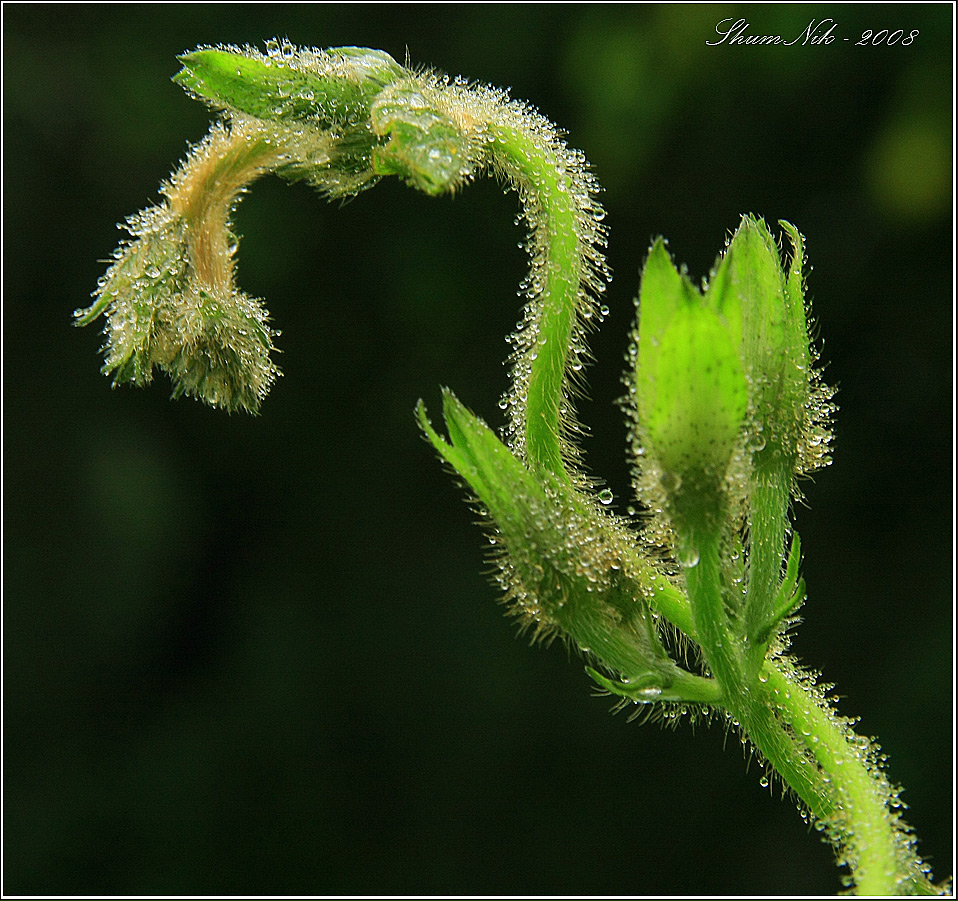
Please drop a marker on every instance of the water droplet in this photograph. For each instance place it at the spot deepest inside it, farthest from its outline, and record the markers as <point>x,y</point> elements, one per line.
<point>763,781</point>
<point>688,556</point>
<point>605,496</point>
<point>603,310</point>
<point>670,481</point>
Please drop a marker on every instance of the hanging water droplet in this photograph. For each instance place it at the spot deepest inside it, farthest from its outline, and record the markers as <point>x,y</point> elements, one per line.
<point>688,556</point>
<point>763,781</point>
<point>605,496</point>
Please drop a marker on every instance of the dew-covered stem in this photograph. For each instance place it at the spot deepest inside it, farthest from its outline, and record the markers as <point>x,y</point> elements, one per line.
<point>862,820</point>
<point>541,371</point>
<point>721,648</point>
<point>205,193</point>
<point>767,524</point>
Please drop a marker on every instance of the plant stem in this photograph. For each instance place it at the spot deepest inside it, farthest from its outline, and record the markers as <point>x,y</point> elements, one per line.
<point>741,697</point>
<point>722,649</point>
<point>530,163</point>
<point>877,849</point>
<point>205,192</point>
<point>768,500</point>
<point>834,772</point>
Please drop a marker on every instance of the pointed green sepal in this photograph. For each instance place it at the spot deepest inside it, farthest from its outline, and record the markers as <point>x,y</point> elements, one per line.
<point>642,689</point>
<point>567,568</point>
<point>653,686</point>
<point>790,595</point>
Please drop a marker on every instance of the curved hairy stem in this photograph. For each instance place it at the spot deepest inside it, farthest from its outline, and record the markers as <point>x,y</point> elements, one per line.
<point>568,273</point>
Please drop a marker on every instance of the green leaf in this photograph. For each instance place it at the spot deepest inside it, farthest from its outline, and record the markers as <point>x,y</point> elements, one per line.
<point>286,90</point>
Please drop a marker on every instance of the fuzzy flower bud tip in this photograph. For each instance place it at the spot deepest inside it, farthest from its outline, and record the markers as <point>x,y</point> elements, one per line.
<point>690,387</point>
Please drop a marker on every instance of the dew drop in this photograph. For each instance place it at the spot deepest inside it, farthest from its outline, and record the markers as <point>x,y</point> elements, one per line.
<point>670,481</point>
<point>605,496</point>
<point>763,781</point>
<point>688,556</point>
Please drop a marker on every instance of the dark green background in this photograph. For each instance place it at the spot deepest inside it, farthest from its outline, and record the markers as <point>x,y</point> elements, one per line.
<point>262,655</point>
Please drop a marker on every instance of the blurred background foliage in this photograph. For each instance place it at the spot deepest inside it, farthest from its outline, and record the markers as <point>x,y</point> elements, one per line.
<point>262,655</point>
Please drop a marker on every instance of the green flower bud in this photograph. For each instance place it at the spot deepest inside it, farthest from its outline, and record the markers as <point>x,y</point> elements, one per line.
<point>789,409</point>
<point>328,88</point>
<point>169,297</point>
<point>690,392</point>
<point>212,340</point>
